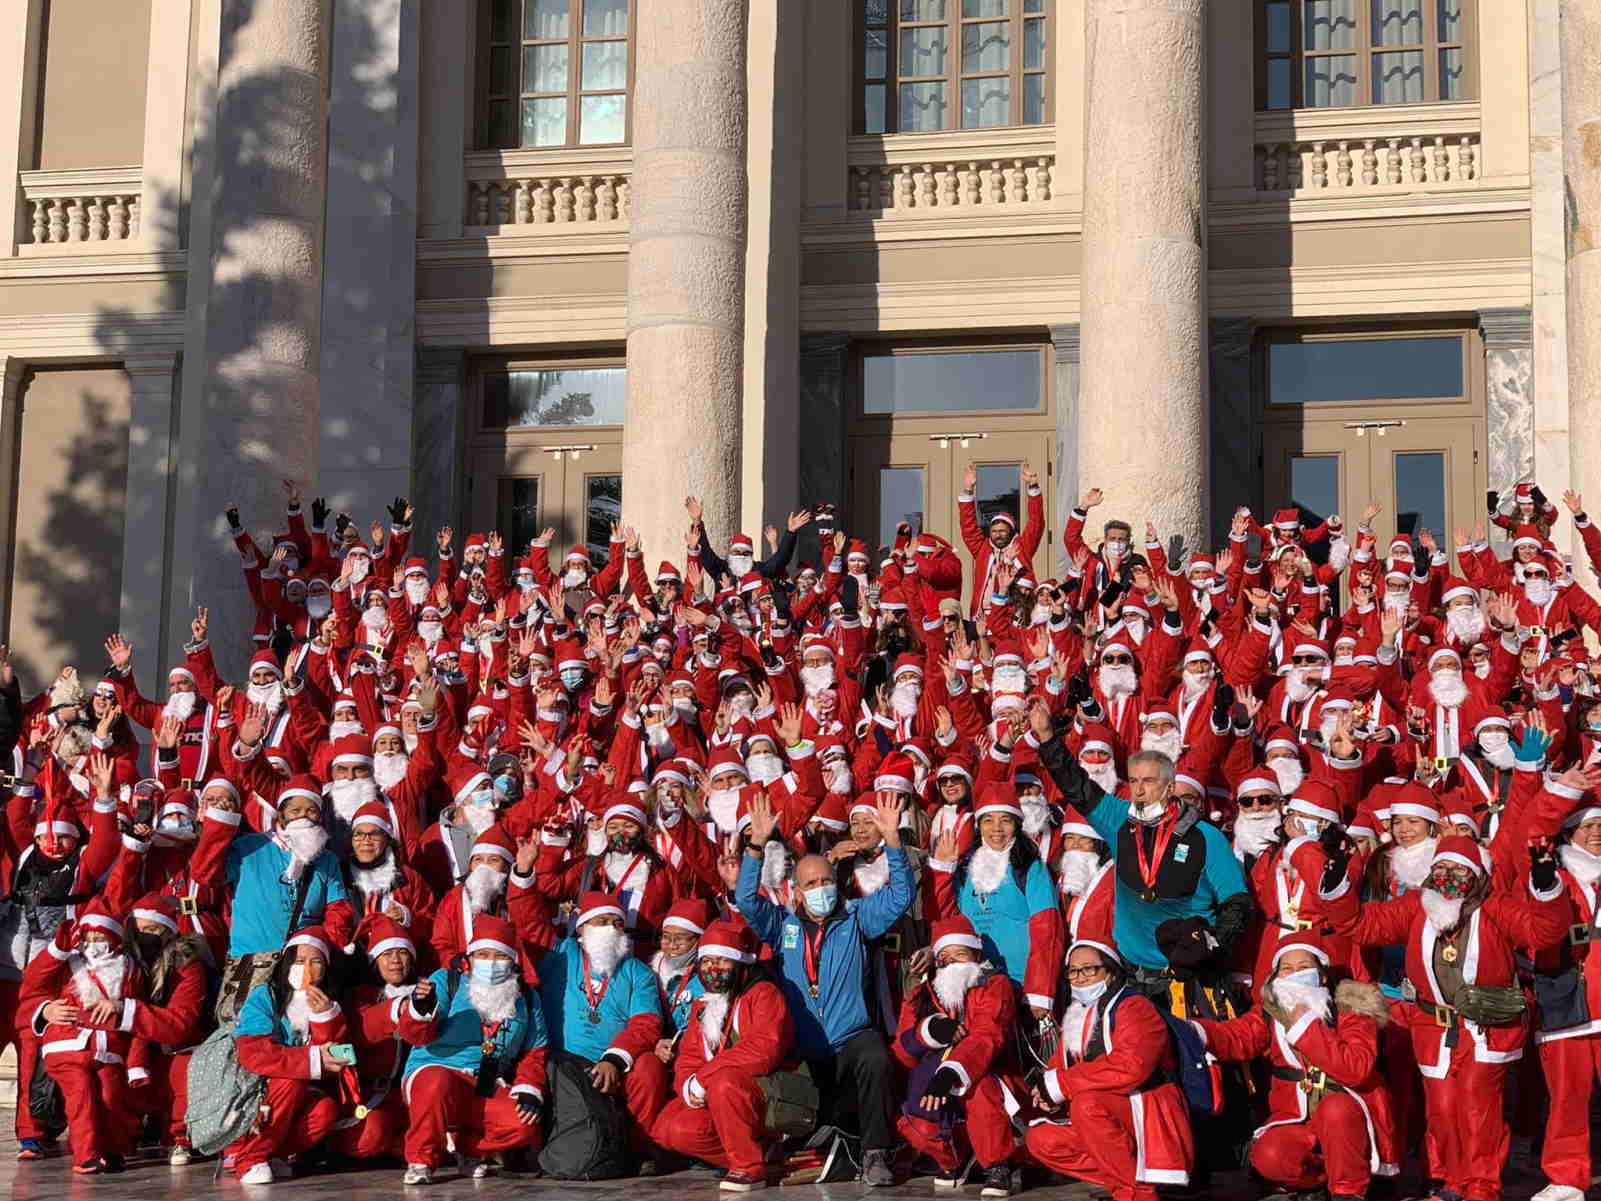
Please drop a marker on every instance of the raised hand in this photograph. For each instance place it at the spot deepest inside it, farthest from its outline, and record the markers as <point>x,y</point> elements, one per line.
<point>254,727</point>
<point>763,821</point>
<point>1090,499</point>
<point>1369,511</point>
<point>946,848</point>
<point>1030,477</point>
<point>101,771</point>
<point>887,816</point>
<point>168,731</point>
<point>199,626</point>
<point>442,539</point>
<point>788,725</point>
<point>799,521</point>
<point>694,508</point>
<point>1574,501</point>
<point>119,651</point>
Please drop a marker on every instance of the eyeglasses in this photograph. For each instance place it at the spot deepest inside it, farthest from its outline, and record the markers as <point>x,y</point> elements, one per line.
<point>1117,660</point>
<point>1260,800</point>
<point>1089,972</point>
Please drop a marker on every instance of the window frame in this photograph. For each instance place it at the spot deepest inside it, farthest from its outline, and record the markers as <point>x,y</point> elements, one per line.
<point>932,421</point>
<point>953,77</point>
<point>482,436</point>
<point>1470,404</point>
<point>1363,50</point>
<point>486,99</point>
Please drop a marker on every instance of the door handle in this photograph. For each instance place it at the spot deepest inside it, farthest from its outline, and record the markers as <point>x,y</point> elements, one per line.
<point>1362,427</point>
<point>945,440</point>
<point>572,451</point>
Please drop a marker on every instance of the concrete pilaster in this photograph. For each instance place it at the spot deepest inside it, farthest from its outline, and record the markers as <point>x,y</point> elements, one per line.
<point>21,41</point>
<point>686,271</point>
<point>1067,342</point>
<point>1236,438</point>
<point>12,372</point>
<point>1581,162</point>
<point>147,511</point>
<point>439,451</point>
<point>161,199</point>
<point>1143,430</point>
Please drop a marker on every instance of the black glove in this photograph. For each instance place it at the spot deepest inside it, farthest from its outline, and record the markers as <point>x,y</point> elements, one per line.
<point>341,523</point>
<point>527,1104</point>
<point>232,514</point>
<point>1492,501</point>
<point>1540,501</point>
<point>1078,688</point>
<point>1109,595</point>
<point>319,512</point>
<point>942,1029</point>
<point>1542,866</point>
<point>1222,705</point>
<point>424,1005</point>
<point>941,1083</point>
<point>397,510</point>
<point>1187,942</point>
<point>1338,850</point>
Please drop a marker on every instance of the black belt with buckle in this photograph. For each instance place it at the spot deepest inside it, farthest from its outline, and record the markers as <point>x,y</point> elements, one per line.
<point>1313,1080</point>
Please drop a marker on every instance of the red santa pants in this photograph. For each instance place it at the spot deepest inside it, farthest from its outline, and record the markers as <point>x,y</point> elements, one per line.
<point>382,1132</point>
<point>1400,1067</point>
<point>298,1115</point>
<point>444,1101</point>
<point>92,1093</point>
<point>986,1129</point>
<point>1096,1146</point>
<point>1570,1067</point>
<point>645,1091</point>
<point>162,1093</point>
<point>726,1131</point>
<point>1332,1145</point>
<point>1466,1123</point>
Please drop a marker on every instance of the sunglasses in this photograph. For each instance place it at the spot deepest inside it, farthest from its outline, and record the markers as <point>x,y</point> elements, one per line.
<point>1307,660</point>
<point>1117,660</point>
<point>1261,800</point>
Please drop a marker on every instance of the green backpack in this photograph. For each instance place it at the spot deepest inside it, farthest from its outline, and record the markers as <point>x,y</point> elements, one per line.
<point>224,1098</point>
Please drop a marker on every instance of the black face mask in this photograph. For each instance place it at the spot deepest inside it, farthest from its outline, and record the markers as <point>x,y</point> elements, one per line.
<point>149,945</point>
<point>719,980</point>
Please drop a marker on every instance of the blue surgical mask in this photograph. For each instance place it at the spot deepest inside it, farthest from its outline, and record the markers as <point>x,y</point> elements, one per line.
<point>820,901</point>
<point>491,971</point>
<point>572,678</point>
<point>483,796</point>
<point>1307,977</point>
<point>1090,993</point>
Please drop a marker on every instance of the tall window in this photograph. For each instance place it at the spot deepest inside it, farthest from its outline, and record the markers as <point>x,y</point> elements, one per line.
<point>1341,53</point>
<point>928,65</point>
<point>558,73</point>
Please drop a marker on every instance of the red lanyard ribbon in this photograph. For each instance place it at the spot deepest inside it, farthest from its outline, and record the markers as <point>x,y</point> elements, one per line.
<point>1149,867</point>
<point>813,954</point>
<point>594,998</point>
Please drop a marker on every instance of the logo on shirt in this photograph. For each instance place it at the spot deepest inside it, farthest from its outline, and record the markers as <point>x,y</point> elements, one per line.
<point>1181,853</point>
<point>791,937</point>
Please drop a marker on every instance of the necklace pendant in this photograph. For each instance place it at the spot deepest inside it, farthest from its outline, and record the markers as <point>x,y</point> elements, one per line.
<point>1148,896</point>
<point>487,1046</point>
<point>1448,954</point>
<point>594,1017</point>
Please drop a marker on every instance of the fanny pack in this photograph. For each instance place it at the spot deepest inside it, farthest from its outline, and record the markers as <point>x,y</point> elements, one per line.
<point>1491,1004</point>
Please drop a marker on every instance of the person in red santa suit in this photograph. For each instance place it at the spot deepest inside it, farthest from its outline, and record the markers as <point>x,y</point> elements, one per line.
<point>1000,542</point>
<point>378,883</point>
<point>1126,1127</point>
<point>75,998</point>
<point>953,1035</point>
<point>1285,878</point>
<point>1445,706</point>
<point>738,1030</point>
<point>1086,881</point>
<point>1458,932</point>
<point>1329,1122</point>
<point>195,755</point>
<point>500,883</point>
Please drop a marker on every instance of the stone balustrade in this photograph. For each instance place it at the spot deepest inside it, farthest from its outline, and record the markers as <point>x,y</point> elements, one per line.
<point>510,190</point>
<point>901,174</point>
<point>1320,152</point>
<point>70,208</point>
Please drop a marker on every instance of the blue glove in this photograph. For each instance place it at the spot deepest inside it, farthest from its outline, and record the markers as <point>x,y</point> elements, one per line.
<point>1532,747</point>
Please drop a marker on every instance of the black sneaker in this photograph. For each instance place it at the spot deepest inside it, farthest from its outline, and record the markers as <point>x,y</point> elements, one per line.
<point>997,1181</point>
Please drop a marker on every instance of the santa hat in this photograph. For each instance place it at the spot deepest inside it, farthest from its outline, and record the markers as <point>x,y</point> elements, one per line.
<point>688,913</point>
<point>1302,940</point>
<point>1315,799</point>
<point>1287,519</point>
<point>95,916</point>
<point>957,763</point>
<point>1098,737</point>
<point>740,544</point>
<point>997,797</point>
<point>954,932</point>
<point>831,813</point>
<point>56,822</point>
<point>265,658</point>
<point>1004,518</point>
<point>627,811</point>
<point>1526,535</point>
<point>491,933</point>
<point>1281,737</point>
<point>668,574</point>
<point>570,655</point>
<point>596,904</point>
<point>751,581</point>
<point>857,550</point>
<point>158,907</point>
<point>1443,652</point>
<point>728,939</point>
<point>494,841</point>
<point>1581,815</point>
<point>1455,588</point>
<point>351,750</point>
<point>1198,652</point>
<point>465,780</point>
<point>909,664</point>
<point>896,773</point>
<point>416,566</point>
<point>671,771</point>
<point>304,786</point>
<point>579,552</point>
<point>1074,822</point>
<point>1460,849</point>
<point>725,759</point>
<point>1524,493</point>
<point>314,937</point>
<point>1107,951</point>
<point>373,813</point>
<point>1310,646</point>
<point>1258,780</point>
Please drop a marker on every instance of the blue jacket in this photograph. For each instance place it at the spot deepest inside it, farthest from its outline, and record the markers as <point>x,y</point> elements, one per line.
<point>263,901</point>
<point>459,1033</point>
<point>633,991</point>
<point>826,1022</point>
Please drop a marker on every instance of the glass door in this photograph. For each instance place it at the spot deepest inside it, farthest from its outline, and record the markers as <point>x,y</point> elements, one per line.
<point>1427,475</point>
<point>1320,469</point>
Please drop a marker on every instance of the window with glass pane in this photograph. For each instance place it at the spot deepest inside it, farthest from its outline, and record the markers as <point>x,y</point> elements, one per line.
<point>555,396</point>
<point>518,510</point>
<point>927,65</point>
<point>1357,369</point>
<point>999,490</point>
<point>558,73</point>
<point>1419,493</point>
<point>900,498</point>
<point>603,508</point>
<point>1344,53</point>
<point>950,382</point>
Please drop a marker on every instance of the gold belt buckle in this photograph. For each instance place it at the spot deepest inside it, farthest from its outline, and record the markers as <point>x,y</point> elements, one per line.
<point>188,906</point>
<point>1579,934</point>
<point>892,942</point>
<point>187,785</point>
<point>1536,631</point>
<point>1314,1080</point>
<point>1442,1016</point>
<point>1304,924</point>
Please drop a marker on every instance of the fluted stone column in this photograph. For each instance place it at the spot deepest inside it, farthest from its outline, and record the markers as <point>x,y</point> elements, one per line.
<point>269,140</point>
<point>1581,162</point>
<point>686,271</point>
<point>1142,421</point>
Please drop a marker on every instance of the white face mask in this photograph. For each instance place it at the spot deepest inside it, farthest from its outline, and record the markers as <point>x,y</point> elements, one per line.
<point>1537,590</point>
<point>1116,546</point>
<point>1308,977</point>
<point>360,565</point>
<point>574,577</point>
<point>1149,813</point>
<point>1009,679</point>
<point>97,952</point>
<point>1090,993</point>
<point>297,977</point>
<point>318,605</point>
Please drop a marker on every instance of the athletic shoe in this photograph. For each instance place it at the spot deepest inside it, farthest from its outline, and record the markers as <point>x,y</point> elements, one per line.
<point>739,1182</point>
<point>260,1173</point>
<point>417,1173</point>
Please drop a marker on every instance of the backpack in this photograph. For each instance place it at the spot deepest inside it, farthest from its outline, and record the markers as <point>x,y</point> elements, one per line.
<point>588,1138</point>
<point>224,1098</point>
<point>1199,1077</point>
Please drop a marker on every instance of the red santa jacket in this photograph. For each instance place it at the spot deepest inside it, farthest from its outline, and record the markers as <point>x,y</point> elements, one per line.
<point>62,974</point>
<point>385,1026</point>
<point>1284,880</point>
<point>755,1040</point>
<point>1089,916</point>
<point>1567,954</point>
<point>987,1015</point>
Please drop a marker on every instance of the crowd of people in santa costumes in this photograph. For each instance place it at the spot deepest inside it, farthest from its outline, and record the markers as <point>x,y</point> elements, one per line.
<point>904,861</point>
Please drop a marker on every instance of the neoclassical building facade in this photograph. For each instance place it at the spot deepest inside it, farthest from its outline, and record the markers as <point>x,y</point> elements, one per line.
<point>562,262</point>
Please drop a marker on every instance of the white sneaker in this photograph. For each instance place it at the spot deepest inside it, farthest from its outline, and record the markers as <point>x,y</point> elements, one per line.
<point>280,1169</point>
<point>417,1173</point>
<point>475,1169</point>
<point>179,1156</point>
<point>260,1174</point>
<point>1559,1192</point>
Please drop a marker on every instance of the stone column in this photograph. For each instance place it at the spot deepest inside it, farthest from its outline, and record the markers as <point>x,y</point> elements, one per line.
<point>12,372</point>
<point>167,92</point>
<point>21,42</point>
<point>1509,384</point>
<point>824,450</point>
<point>1142,433</point>
<point>1236,444</point>
<point>147,514</point>
<point>1581,161</point>
<point>264,289</point>
<point>439,450</point>
<point>1547,238</point>
<point>686,272</point>
<point>1067,342</point>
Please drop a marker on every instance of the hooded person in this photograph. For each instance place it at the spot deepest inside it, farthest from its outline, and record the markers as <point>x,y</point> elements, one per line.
<point>477,1071</point>
<point>954,1038</point>
<point>1329,1120</point>
<point>1461,983</point>
<point>738,1030</point>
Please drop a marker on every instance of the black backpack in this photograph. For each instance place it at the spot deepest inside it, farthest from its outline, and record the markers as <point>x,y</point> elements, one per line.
<point>588,1136</point>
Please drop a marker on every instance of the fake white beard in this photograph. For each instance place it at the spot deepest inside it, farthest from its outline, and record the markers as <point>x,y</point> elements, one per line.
<point>775,864</point>
<point>1078,869</point>
<point>723,806</point>
<point>1009,679</point>
<point>270,695</point>
<point>391,991</point>
<point>1117,680</point>
<point>1289,772</point>
<point>1292,996</point>
<point>494,1002</point>
<point>742,705</point>
<point>1443,914</point>
<point>952,981</point>
<point>816,679</point>
<point>478,818</point>
<point>1196,683</point>
<point>1073,1026</point>
<point>839,780</point>
<point>1302,682</point>
<point>872,874</point>
<point>1254,832</point>
<point>430,631</point>
<point>1448,688</point>
<point>375,617</point>
<point>350,795</point>
<point>389,768</point>
<point>903,700</point>
<point>1327,724</point>
<point>1481,668</point>
<point>1580,864</point>
<point>1466,622</point>
<point>618,862</point>
<point>338,729</point>
<point>298,1013</point>
<point>74,742</point>
<point>1104,774</point>
<point>606,946</point>
<point>319,605</point>
<point>416,589</point>
<point>988,868</point>
<point>1538,591</point>
<point>1498,755</point>
<point>713,1014</point>
<point>1410,865</point>
<point>360,566</point>
<point>377,880</point>
<point>668,967</point>
<point>1397,602</point>
<point>483,888</point>
<point>574,577</point>
<point>1135,628</point>
<point>180,705</point>
<point>109,972</point>
<point>740,565</point>
<point>304,844</point>
<point>1170,744</point>
<point>595,842</point>
<point>1036,815</point>
<point>764,767</point>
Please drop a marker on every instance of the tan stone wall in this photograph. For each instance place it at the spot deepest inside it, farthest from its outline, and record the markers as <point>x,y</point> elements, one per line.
<point>92,92</point>
<point>69,520</point>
